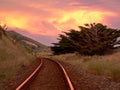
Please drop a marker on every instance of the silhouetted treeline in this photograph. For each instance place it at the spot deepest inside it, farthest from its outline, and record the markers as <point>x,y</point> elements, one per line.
<point>91,39</point>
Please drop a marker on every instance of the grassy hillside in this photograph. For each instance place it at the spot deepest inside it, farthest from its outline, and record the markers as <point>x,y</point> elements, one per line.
<point>12,58</point>
<point>106,65</point>
<point>28,43</point>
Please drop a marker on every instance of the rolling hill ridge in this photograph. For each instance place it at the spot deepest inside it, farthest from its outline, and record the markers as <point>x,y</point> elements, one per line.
<point>30,44</point>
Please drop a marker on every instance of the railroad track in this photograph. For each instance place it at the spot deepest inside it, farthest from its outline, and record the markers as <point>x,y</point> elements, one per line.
<point>49,75</point>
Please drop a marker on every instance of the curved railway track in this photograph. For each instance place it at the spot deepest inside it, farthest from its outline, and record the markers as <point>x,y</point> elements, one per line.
<point>49,75</point>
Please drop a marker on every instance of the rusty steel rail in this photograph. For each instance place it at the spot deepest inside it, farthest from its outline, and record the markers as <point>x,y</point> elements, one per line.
<point>25,82</point>
<point>68,81</point>
<point>67,77</point>
<point>71,87</point>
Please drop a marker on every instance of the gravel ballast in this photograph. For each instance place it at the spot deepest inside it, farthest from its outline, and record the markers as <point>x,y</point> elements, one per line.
<point>84,80</point>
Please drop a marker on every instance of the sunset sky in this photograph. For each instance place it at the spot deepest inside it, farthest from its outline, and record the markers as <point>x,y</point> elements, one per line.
<point>43,20</point>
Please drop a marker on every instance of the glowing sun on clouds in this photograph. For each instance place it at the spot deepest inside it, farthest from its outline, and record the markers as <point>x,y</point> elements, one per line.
<point>50,17</point>
<point>68,20</point>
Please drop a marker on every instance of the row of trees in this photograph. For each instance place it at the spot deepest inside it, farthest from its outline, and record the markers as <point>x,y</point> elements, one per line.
<point>91,39</point>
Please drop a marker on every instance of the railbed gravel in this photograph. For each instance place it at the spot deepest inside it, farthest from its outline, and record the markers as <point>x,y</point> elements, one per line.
<point>84,80</point>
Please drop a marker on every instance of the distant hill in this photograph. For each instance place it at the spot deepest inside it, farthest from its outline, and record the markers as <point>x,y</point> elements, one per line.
<point>28,43</point>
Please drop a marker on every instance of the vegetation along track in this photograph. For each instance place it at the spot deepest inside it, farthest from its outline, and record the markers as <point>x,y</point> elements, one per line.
<point>52,76</point>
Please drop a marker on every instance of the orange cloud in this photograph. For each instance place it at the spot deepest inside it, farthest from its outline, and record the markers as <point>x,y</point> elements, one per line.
<point>62,21</point>
<point>51,17</point>
<point>14,20</point>
<point>55,20</point>
<point>73,19</point>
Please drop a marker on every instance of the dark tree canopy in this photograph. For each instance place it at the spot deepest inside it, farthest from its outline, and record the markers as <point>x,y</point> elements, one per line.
<point>91,39</point>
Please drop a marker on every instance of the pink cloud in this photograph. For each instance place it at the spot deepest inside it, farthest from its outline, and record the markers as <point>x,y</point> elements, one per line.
<point>48,18</point>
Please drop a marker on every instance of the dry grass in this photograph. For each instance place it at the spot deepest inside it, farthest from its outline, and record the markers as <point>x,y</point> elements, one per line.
<point>108,65</point>
<point>12,58</point>
<point>43,54</point>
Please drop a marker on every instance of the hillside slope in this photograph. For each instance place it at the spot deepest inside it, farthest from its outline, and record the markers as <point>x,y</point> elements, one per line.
<point>28,43</point>
<point>13,57</point>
